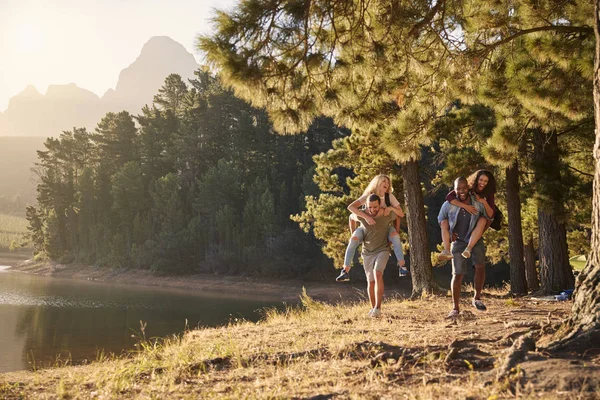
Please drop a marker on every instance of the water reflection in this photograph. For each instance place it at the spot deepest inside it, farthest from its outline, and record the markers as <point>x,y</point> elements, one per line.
<point>44,318</point>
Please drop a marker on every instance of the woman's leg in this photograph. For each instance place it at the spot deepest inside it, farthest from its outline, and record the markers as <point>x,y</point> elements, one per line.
<point>356,239</point>
<point>445,255</point>
<point>394,238</point>
<point>445,226</point>
<point>482,225</point>
<point>352,223</point>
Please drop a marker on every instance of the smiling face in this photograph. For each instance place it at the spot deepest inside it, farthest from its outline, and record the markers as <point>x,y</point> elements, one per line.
<point>482,182</point>
<point>462,190</point>
<point>384,186</point>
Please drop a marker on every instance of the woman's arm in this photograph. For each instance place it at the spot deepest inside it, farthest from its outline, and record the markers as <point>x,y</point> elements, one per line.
<point>452,199</point>
<point>468,207</point>
<point>489,211</point>
<point>394,206</point>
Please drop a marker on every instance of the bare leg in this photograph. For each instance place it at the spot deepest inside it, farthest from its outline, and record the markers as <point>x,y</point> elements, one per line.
<point>371,291</point>
<point>482,225</point>
<point>378,289</point>
<point>456,285</point>
<point>479,280</point>
<point>445,226</point>
<point>352,224</point>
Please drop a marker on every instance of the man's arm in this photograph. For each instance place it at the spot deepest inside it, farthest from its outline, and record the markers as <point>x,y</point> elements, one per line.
<point>443,214</point>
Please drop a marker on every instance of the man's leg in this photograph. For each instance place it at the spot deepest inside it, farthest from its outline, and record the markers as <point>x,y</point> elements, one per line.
<point>371,290</point>
<point>460,266</point>
<point>456,286</point>
<point>378,289</point>
<point>381,260</point>
<point>369,266</point>
<point>479,281</point>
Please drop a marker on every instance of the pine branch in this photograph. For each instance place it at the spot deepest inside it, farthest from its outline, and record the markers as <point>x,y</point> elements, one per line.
<point>556,28</point>
<point>414,32</point>
<point>574,127</point>
<point>581,172</point>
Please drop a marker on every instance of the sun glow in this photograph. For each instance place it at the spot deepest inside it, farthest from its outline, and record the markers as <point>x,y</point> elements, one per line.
<point>29,38</point>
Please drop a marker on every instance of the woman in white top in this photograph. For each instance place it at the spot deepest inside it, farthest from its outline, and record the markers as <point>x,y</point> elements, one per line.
<point>381,185</point>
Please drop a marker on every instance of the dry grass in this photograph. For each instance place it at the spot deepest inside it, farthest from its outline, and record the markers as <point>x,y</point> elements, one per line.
<point>331,351</point>
<point>12,230</point>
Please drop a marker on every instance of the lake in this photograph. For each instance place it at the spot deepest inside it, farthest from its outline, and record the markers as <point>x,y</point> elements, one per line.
<point>45,321</point>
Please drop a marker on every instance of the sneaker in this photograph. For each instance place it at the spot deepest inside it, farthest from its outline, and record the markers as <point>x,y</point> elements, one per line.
<point>445,255</point>
<point>466,253</point>
<point>403,272</point>
<point>452,314</point>
<point>375,313</point>
<point>478,304</point>
<point>344,277</point>
<point>370,313</point>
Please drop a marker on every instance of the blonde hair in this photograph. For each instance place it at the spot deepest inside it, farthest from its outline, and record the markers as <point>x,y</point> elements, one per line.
<point>374,184</point>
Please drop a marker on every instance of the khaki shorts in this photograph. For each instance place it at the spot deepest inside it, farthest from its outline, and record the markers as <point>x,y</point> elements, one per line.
<point>375,262</point>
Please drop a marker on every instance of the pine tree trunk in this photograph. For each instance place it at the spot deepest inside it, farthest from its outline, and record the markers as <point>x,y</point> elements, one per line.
<point>555,271</point>
<point>533,281</point>
<point>553,254</point>
<point>584,326</point>
<point>420,258</point>
<point>518,284</point>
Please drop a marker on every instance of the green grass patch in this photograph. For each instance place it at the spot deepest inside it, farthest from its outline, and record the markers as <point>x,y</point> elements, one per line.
<point>577,262</point>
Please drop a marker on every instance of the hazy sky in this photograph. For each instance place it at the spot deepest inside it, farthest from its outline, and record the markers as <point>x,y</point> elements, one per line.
<point>88,42</point>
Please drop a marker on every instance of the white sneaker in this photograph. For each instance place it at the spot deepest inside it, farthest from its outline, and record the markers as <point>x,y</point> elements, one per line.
<point>369,314</point>
<point>375,313</point>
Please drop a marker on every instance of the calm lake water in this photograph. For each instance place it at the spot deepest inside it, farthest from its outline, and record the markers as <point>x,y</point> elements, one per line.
<point>42,318</point>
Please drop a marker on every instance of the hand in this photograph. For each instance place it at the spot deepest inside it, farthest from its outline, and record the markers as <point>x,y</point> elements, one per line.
<point>399,213</point>
<point>470,209</point>
<point>480,199</point>
<point>454,236</point>
<point>369,220</point>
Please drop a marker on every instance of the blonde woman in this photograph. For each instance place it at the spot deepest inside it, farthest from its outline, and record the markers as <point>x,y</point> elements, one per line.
<point>381,185</point>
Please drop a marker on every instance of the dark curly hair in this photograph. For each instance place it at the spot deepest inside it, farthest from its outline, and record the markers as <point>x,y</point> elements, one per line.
<point>474,178</point>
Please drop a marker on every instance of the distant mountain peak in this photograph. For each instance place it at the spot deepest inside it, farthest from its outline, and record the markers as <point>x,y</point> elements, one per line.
<point>29,91</point>
<point>64,106</point>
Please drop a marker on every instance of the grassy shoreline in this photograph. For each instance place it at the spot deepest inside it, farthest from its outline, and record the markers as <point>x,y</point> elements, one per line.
<point>336,351</point>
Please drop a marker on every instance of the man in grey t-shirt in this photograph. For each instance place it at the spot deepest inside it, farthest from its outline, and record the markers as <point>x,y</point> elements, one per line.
<point>375,251</point>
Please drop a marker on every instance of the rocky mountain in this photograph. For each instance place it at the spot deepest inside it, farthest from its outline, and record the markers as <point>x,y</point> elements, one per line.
<point>63,107</point>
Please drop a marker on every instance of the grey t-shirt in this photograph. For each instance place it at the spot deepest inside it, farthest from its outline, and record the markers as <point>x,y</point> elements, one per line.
<point>376,236</point>
<point>463,219</point>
